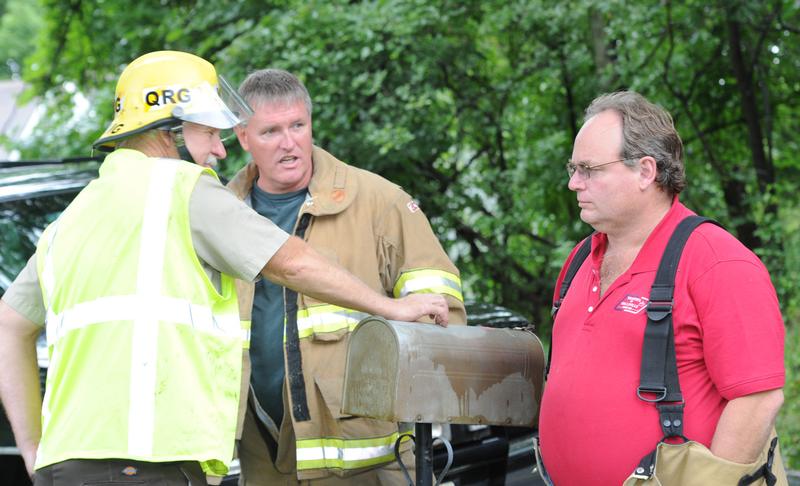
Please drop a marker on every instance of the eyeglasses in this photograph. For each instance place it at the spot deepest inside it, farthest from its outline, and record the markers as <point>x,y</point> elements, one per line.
<point>585,170</point>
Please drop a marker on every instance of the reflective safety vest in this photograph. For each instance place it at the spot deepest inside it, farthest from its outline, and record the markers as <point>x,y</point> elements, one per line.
<point>145,354</point>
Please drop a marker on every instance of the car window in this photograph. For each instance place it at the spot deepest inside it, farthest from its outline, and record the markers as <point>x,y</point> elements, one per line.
<point>21,224</point>
<point>30,199</point>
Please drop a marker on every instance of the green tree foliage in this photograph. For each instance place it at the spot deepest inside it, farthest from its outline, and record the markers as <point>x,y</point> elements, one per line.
<point>20,20</point>
<point>472,106</point>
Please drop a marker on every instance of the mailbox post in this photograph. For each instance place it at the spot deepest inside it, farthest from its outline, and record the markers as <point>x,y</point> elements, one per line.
<point>424,453</point>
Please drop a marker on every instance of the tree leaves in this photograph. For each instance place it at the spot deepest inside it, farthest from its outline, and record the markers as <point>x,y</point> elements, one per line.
<point>472,106</point>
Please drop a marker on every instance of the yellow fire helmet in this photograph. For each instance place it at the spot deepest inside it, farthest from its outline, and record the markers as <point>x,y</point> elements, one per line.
<point>164,88</point>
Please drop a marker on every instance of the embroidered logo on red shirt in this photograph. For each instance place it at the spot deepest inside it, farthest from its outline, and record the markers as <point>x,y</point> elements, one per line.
<point>632,304</point>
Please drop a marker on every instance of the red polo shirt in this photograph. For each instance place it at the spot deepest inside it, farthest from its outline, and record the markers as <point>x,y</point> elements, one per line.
<point>728,338</point>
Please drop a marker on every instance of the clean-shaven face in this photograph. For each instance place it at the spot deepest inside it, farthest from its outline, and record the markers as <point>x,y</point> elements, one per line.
<point>608,198</point>
<point>278,137</point>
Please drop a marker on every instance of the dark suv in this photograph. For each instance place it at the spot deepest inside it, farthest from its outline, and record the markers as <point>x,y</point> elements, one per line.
<point>33,194</point>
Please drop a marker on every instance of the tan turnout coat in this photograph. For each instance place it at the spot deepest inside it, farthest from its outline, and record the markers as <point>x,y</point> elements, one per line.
<point>375,230</point>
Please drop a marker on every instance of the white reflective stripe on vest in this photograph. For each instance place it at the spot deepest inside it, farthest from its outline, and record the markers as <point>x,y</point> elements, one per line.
<point>326,318</point>
<point>144,342</point>
<point>136,308</point>
<point>344,453</point>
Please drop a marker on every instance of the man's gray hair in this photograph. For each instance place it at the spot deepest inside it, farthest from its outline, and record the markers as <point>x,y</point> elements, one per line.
<point>138,140</point>
<point>274,85</point>
<point>647,129</point>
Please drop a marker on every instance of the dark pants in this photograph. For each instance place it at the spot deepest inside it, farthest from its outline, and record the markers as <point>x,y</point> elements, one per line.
<point>107,472</point>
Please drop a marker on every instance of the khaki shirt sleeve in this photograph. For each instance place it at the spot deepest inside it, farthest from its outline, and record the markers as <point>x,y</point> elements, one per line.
<point>25,295</point>
<point>227,234</point>
<point>408,243</point>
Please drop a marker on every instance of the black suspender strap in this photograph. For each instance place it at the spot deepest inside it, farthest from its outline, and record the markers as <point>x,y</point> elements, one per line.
<point>294,362</point>
<point>573,268</point>
<point>658,380</point>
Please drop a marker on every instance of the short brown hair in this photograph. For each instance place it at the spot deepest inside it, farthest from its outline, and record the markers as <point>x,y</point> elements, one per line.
<point>274,85</point>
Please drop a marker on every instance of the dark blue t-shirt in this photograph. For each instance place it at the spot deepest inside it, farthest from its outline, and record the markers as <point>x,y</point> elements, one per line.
<point>266,337</point>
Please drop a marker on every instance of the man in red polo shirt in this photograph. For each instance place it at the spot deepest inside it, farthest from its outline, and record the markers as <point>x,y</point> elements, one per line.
<point>627,171</point>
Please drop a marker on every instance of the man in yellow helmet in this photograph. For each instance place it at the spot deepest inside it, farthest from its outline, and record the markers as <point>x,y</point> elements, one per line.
<point>135,284</point>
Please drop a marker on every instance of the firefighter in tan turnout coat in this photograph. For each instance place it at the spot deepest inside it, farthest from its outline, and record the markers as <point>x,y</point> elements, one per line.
<point>294,429</point>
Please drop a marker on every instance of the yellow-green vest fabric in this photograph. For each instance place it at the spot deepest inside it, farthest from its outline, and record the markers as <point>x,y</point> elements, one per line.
<point>145,354</point>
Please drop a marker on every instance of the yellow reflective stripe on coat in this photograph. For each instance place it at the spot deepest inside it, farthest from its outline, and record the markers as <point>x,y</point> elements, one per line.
<point>326,318</point>
<point>428,281</point>
<point>345,453</point>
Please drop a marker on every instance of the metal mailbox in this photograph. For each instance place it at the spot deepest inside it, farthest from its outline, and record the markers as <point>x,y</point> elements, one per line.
<point>411,372</point>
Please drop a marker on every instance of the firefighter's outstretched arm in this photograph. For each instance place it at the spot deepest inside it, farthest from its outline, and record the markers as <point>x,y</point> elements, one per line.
<point>298,266</point>
<point>19,380</point>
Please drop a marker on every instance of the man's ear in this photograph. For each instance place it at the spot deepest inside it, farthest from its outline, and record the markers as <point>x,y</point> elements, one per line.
<point>648,170</point>
<point>166,139</point>
<point>241,134</point>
